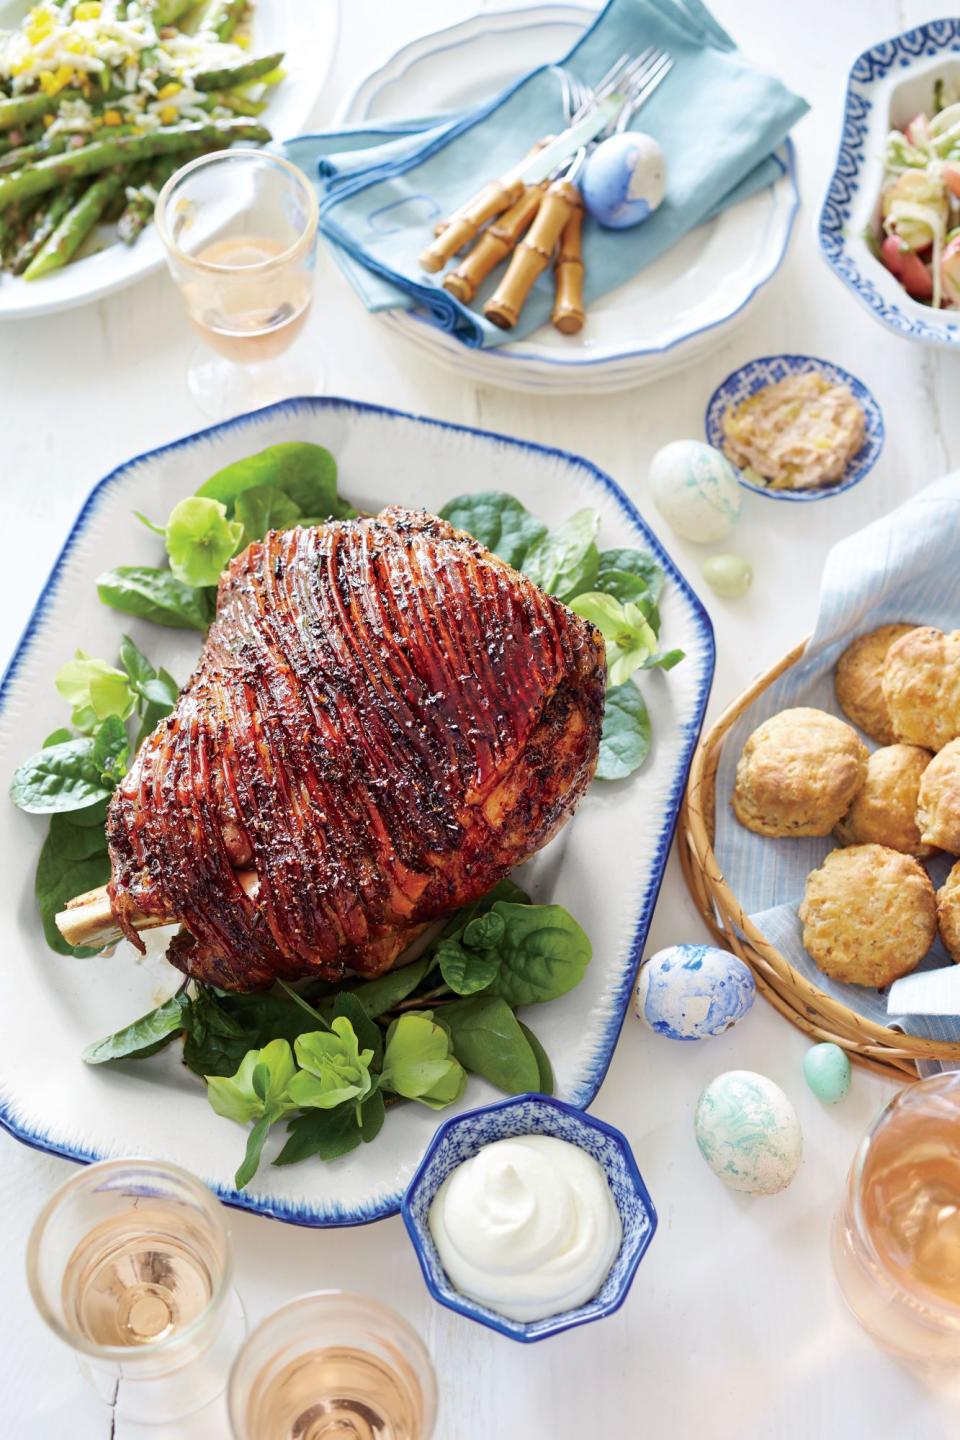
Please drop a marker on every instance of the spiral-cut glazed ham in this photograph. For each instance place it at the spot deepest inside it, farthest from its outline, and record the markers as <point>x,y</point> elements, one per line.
<point>384,721</point>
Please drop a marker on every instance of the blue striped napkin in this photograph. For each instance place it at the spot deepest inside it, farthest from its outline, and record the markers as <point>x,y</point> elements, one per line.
<point>902,567</point>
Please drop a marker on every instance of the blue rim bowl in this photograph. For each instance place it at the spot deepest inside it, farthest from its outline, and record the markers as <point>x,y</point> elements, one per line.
<point>460,1137</point>
<point>767,371</point>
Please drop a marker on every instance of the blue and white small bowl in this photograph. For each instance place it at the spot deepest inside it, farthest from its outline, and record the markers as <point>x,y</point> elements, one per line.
<point>461,1137</point>
<point>767,371</point>
<point>887,86</point>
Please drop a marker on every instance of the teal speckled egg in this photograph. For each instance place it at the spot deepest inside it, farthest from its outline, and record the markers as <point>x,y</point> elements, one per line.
<point>826,1069</point>
<point>748,1132</point>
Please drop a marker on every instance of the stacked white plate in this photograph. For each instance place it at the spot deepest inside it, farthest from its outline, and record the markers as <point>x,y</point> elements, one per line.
<point>687,301</point>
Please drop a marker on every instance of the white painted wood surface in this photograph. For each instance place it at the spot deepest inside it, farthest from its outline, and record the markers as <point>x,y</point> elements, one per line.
<point>733,1330</point>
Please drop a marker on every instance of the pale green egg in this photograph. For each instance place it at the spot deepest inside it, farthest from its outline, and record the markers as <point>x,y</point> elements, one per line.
<point>728,575</point>
<point>826,1069</point>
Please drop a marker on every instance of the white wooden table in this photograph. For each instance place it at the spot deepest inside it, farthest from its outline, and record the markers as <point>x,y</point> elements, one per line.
<point>733,1330</point>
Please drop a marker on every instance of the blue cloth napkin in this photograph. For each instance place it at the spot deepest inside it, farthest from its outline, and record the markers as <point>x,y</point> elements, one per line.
<point>717,118</point>
<point>902,567</point>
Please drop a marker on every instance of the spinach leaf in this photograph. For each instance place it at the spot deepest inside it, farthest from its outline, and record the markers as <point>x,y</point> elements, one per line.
<point>111,750</point>
<point>372,1115</point>
<point>381,995</point>
<point>263,508</point>
<point>565,562</point>
<point>629,562</point>
<point>142,1037</point>
<point>367,1031</point>
<point>460,919</point>
<point>625,738</point>
<point>466,971</point>
<point>306,473</point>
<point>498,521</point>
<point>546,1085</point>
<point>544,953</point>
<point>487,1040</point>
<point>73,860</point>
<point>221,1029</point>
<point>155,595</point>
<point>326,1134</point>
<point>66,776</point>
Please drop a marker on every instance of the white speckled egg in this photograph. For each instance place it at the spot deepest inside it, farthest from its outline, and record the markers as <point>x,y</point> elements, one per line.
<point>624,180</point>
<point>696,490</point>
<point>826,1069</point>
<point>691,992</point>
<point>748,1132</point>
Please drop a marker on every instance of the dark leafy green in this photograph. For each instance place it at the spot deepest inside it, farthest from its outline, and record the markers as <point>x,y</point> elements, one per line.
<point>386,992</point>
<point>220,1029</point>
<point>488,1041</point>
<point>543,953</point>
<point>498,521</point>
<point>73,859</point>
<point>546,1085</point>
<point>152,1032</point>
<point>566,560</point>
<point>111,750</point>
<point>625,739</point>
<point>326,1134</point>
<point>263,508</point>
<point>155,595</point>
<point>617,563</point>
<point>65,776</point>
<point>466,971</point>
<point>306,473</point>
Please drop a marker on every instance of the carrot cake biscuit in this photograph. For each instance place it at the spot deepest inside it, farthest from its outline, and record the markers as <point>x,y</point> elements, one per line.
<point>921,685</point>
<point>938,800</point>
<point>798,774</point>
<point>858,681</point>
<point>884,812</point>
<point>869,915</point>
<point>948,912</point>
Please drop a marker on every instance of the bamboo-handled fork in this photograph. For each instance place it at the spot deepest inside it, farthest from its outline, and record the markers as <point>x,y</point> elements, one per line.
<point>559,218</point>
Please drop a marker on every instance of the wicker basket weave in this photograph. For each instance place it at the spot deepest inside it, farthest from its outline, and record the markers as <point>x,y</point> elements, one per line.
<point>811,1009</point>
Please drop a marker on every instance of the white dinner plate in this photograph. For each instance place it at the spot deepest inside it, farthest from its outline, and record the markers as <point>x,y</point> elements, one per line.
<point>306,30</point>
<point>606,866</point>
<point>684,303</point>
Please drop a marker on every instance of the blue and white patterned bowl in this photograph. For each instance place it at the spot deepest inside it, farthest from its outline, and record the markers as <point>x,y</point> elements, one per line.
<point>887,86</point>
<point>767,371</point>
<point>462,1136</point>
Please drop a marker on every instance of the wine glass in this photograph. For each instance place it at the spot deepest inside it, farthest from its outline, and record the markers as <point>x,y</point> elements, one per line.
<point>240,230</point>
<point>896,1239</point>
<point>130,1264</point>
<point>332,1366</point>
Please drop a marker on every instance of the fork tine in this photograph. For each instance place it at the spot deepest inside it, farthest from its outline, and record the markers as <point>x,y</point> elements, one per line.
<point>649,84</point>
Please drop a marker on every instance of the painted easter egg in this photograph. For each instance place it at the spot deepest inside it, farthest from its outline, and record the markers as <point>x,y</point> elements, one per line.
<point>748,1132</point>
<point>826,1069</point>
<point>690,992</point>
<point>696,490</point>
<point>625,180</point>
<point>728,575</point>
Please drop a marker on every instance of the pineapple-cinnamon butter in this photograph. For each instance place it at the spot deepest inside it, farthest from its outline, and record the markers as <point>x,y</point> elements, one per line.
<point>797,434</point>
<point>528,1226</point>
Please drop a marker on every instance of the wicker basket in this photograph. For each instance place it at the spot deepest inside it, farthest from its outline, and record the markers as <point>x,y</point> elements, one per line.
<point>816,1013</point>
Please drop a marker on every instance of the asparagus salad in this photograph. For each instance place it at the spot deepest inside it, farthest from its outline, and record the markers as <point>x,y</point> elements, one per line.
<point>102,100</point>
<point>920,206</point>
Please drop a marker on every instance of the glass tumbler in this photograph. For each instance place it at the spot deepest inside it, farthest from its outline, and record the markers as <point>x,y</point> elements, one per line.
<point>896,1239</point>
<point>239,228</point>
<point>332,1366</point>
<point>130,1264</point>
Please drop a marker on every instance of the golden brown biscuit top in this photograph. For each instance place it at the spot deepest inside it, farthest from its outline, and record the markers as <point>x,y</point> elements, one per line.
<point>921,686</point>
<point>938,801</point>
<point>798,773</point>
<point>884,810</point>
<point>858,680</point>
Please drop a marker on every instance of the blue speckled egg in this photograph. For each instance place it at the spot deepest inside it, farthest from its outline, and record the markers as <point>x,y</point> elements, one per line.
<point>826,1069</point>
<point>748,1132</point>
<point>690,992</point>
<point>624,180</point>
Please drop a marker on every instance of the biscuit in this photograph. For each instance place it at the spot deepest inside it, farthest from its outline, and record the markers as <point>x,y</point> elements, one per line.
<point>921,686</point>
<point>798,774</point>
<point>948,912</point>
<point>857,680</point>
<point>885,810</point>
<point>938,800</point>
<point>869,915</point>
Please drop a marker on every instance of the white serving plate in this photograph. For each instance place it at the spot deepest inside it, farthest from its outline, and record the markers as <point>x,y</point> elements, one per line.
<point>307,33</point>
<point>686,302</point>
<point>606,866</point>
<point>887,86</point>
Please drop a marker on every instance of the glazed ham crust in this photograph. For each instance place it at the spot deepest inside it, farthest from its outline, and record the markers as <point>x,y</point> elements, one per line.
<point>384,721</point>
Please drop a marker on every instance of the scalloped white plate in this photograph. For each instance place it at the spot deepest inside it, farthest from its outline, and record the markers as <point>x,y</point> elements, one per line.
<point>686,302</point>
<point>306,30</point>
<point>606,866</point>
